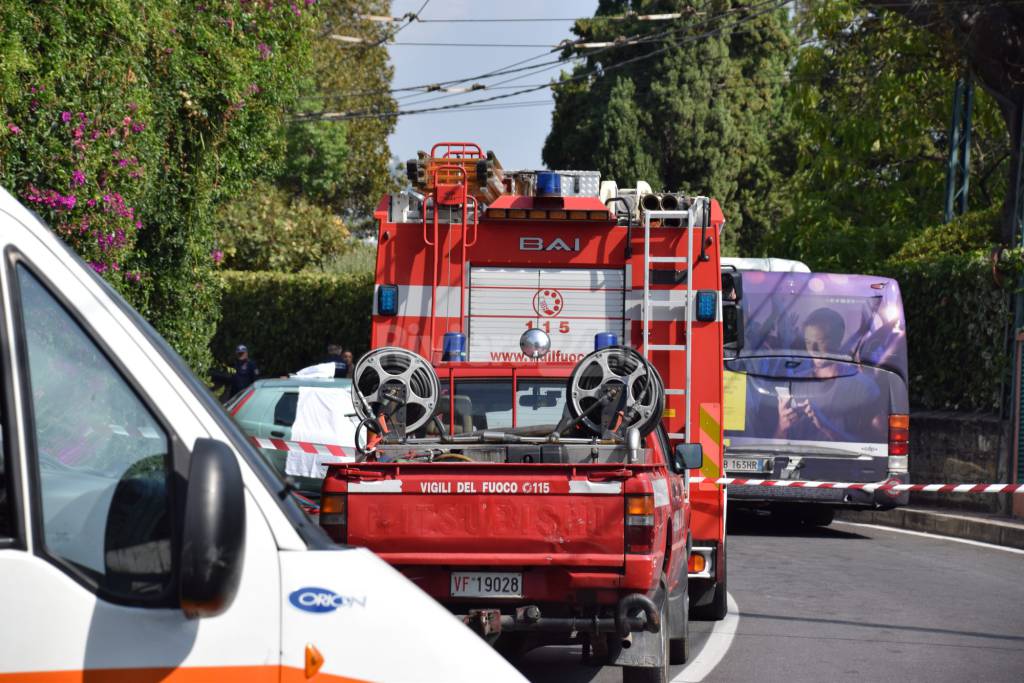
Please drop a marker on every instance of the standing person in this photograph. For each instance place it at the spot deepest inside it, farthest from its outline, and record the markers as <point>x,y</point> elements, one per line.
<point>349,361</point>
<point>337,356</point>
<point>246,371</point>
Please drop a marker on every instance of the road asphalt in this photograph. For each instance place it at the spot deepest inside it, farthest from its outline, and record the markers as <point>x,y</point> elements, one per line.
<point>851,602</point>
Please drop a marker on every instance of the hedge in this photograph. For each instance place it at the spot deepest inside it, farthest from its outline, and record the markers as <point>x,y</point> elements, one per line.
<point>957,319</point>
<point>288,319</point>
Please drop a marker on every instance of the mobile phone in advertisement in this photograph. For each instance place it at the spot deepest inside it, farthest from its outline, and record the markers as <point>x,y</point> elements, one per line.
<point>783,393</point>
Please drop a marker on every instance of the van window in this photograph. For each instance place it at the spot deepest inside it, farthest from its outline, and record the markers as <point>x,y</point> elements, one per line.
<point>101,459</point>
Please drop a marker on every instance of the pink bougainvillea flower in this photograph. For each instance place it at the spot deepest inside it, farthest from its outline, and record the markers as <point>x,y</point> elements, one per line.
<point>138,127</point>
<point>65,116</point>
<point>217,255</point>
<point>14,129</point>
<point>77,178</point>
<point>264,51</point>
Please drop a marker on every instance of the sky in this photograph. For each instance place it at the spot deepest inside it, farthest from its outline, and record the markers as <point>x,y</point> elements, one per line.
<point>515,134</point>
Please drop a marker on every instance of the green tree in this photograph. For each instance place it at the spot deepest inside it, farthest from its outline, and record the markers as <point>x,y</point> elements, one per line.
<point>351,77</point>
<point>987,36</point>
<point>870,101</point>
<point>265,228</point>
<point>620,152</point>
<point>707,100</point>
<point>125,124</point>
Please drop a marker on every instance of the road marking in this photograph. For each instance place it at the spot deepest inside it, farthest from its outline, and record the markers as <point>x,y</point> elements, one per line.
<point>965,541</point>
<point>714,650</point>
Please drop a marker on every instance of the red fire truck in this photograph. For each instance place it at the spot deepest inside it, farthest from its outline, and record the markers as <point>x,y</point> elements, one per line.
<point>546,372</point>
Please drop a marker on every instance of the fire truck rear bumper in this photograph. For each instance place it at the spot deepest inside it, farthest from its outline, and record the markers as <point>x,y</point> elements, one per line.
<point>633,613</point>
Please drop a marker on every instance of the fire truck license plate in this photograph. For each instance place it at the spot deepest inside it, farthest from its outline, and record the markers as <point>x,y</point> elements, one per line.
<point>487,585</point>
<point>745,464</point>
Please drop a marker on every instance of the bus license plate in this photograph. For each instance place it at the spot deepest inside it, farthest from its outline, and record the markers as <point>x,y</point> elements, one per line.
<point>745,464</point>
<point>487,585</point>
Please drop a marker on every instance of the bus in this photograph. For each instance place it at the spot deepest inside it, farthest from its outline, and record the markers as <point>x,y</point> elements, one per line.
<point>816,390</point>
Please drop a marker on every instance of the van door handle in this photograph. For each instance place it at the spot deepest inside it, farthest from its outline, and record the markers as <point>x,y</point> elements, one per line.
<point>279,435</point>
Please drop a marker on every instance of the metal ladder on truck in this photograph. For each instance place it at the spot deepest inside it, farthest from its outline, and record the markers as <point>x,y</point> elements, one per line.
<point>449,187</point>
<point>685,219</point>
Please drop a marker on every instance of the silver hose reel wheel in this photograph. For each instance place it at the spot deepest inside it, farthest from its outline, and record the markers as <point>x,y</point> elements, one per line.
<point>635,381</point>
<point>388,379</point>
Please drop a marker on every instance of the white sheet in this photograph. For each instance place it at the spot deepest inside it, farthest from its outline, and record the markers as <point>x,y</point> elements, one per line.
<point>321,416</point>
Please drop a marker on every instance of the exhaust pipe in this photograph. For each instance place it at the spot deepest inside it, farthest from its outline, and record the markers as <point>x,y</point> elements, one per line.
<point>651,202</point>
<point>635,603</point>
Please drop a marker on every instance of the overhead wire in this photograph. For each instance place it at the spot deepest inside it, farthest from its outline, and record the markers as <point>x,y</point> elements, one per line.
<point>334,116</point>
<point>512,68</point>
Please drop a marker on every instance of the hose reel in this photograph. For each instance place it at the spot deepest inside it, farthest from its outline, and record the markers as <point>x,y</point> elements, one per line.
<point>394,389</point>
<point>616,388</point>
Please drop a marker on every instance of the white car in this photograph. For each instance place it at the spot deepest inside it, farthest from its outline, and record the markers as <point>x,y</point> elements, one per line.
<point>142,537</point>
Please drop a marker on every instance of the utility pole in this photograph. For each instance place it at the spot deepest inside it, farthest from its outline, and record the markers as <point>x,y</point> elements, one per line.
<point>958,169</point>
<point>1017,182</point>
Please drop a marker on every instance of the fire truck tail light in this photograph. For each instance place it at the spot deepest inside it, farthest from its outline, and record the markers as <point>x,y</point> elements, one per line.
<point>387,300</point>
<point>639,523</point>
<point>707,305</point>
<point>334,517</point>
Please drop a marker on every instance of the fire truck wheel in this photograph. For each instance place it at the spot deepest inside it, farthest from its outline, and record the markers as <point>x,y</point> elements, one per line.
<point>659,674</point>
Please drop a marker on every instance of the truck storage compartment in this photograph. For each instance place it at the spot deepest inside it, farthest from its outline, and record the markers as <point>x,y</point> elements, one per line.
<point>447,513</point>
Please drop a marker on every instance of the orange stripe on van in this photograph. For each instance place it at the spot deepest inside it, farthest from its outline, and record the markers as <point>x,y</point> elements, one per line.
<point>189,674</point>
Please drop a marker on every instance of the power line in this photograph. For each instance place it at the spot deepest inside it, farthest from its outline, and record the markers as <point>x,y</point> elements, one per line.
<point>516,67</point>
<point>341,116</point>
<point>640,40</point>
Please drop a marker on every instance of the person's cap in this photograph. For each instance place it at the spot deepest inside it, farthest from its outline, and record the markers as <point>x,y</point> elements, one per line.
<point>242,349</point>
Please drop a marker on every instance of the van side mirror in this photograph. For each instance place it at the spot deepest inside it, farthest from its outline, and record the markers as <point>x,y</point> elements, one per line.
<point>213,539</point>
<point>687,456</point>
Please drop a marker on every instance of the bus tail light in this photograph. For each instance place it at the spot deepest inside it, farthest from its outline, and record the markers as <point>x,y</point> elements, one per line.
<point>899,442</point>
<point>640,523</point>
<point>334,516</point>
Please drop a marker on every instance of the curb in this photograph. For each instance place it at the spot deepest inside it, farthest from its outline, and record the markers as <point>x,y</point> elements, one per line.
<point>986,530</point>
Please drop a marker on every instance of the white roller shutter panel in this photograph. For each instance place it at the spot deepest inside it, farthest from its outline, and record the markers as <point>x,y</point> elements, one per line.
<point>571,305</point>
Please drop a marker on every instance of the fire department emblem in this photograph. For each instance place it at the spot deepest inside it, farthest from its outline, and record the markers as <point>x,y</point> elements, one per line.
<point>548,302</point>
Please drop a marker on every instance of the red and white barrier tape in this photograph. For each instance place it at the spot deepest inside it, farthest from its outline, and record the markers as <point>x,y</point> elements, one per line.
<point>304,447</point>
<point>868,486</point>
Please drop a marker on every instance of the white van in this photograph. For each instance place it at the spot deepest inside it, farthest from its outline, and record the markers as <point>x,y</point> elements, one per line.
<point>141,536</point>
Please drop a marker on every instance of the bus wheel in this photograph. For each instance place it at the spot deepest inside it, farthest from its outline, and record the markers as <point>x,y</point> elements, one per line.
<point>818,515</point>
